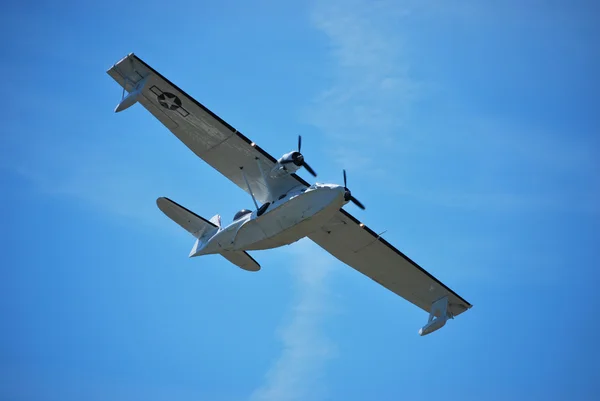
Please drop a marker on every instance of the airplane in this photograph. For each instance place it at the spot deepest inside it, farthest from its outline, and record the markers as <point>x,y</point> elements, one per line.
<point>287,208</point>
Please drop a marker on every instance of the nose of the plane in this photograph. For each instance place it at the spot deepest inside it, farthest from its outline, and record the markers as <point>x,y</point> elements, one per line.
<point>338,190</point>
<point>341,191</point>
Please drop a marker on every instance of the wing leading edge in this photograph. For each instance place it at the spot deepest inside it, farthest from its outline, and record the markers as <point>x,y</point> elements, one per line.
<point>362,249</point>
<point>202,131</point>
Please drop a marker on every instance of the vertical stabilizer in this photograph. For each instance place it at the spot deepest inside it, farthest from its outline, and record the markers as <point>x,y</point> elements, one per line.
<point>216,220</point>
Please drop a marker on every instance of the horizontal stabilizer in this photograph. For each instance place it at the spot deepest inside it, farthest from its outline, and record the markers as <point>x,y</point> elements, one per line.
<point>242,260</point>
<point>190,221</point>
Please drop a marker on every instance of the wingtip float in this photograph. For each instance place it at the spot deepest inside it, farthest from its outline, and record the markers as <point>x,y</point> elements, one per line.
<point>132,97</point>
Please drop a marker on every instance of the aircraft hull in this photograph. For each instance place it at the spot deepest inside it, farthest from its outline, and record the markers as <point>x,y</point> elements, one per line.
<point>284,222</point>
<point>290,222</point>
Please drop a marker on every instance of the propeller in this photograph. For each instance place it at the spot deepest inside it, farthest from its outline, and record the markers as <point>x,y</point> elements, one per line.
<point>298,159</point>
<point>348,195</point>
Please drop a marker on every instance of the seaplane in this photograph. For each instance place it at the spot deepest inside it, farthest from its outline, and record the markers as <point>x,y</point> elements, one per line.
<point>286,207</point>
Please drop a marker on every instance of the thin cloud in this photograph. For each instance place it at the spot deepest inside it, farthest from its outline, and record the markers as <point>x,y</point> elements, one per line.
<point>370,94</point>
<point>117,189</point>
<point>371,89</point>
<point>367,113</point>
<point>296,374</point>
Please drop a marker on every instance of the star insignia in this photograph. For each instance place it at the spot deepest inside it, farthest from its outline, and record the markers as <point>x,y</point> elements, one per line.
<point>169,101</point>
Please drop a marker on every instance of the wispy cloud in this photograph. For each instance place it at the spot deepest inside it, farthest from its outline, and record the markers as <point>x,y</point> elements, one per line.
<point>91,177</point>
<point>371,90</point>
<point>296,374</point>
<point>102,177</point>
<point>119,193</point>
<point>373,116</point>
<point>370,94</point>
<point>502,166</point>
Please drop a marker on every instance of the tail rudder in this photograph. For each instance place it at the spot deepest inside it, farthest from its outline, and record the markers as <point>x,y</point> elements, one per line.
<point>203,230</point>
<point>216,220</point>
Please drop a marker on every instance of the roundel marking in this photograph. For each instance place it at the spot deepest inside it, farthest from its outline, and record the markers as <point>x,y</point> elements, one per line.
<point>169,101</point>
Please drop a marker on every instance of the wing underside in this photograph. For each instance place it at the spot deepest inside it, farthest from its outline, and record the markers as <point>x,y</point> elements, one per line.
<point>202,131</point>
<point>361,248</point>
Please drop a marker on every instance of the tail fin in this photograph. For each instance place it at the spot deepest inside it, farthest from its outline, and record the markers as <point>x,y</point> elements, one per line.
<point>216,220</point>
<point>203,230</point>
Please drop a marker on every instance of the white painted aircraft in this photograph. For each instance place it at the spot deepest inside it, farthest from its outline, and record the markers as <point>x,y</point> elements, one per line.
<point>287,208</point>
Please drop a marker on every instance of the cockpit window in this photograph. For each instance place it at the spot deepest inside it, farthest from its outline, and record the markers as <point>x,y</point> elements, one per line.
<point>241,214</point>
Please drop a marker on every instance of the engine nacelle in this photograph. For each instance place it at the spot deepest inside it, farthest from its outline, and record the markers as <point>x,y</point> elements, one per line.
<point>287,164</point>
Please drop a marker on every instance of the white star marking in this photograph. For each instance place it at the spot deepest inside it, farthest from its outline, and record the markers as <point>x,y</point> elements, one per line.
<point>169,101</point>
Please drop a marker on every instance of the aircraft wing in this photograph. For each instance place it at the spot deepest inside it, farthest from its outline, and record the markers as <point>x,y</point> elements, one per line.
<point>361,248</point>
<point>206,134</point>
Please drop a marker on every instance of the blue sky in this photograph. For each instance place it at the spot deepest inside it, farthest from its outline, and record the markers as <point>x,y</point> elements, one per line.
<point>469,130</point>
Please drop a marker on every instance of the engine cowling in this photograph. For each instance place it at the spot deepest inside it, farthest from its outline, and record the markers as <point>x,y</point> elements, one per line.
<point>287,164</point>
<point>291,162</point>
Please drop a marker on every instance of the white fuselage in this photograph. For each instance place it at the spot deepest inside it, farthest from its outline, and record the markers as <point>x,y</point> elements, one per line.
<point>286,220</point>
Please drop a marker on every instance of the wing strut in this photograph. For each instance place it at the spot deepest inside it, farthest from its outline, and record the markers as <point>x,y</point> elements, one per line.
<point>249,189</point>
<point>264,177</point>
<point>265,206</point>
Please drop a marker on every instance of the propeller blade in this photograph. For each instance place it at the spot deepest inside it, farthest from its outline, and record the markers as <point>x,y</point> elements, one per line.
<point>299,142</point>
<point>357,202</point>
<point>348,193</point>
<point>309,169</point>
